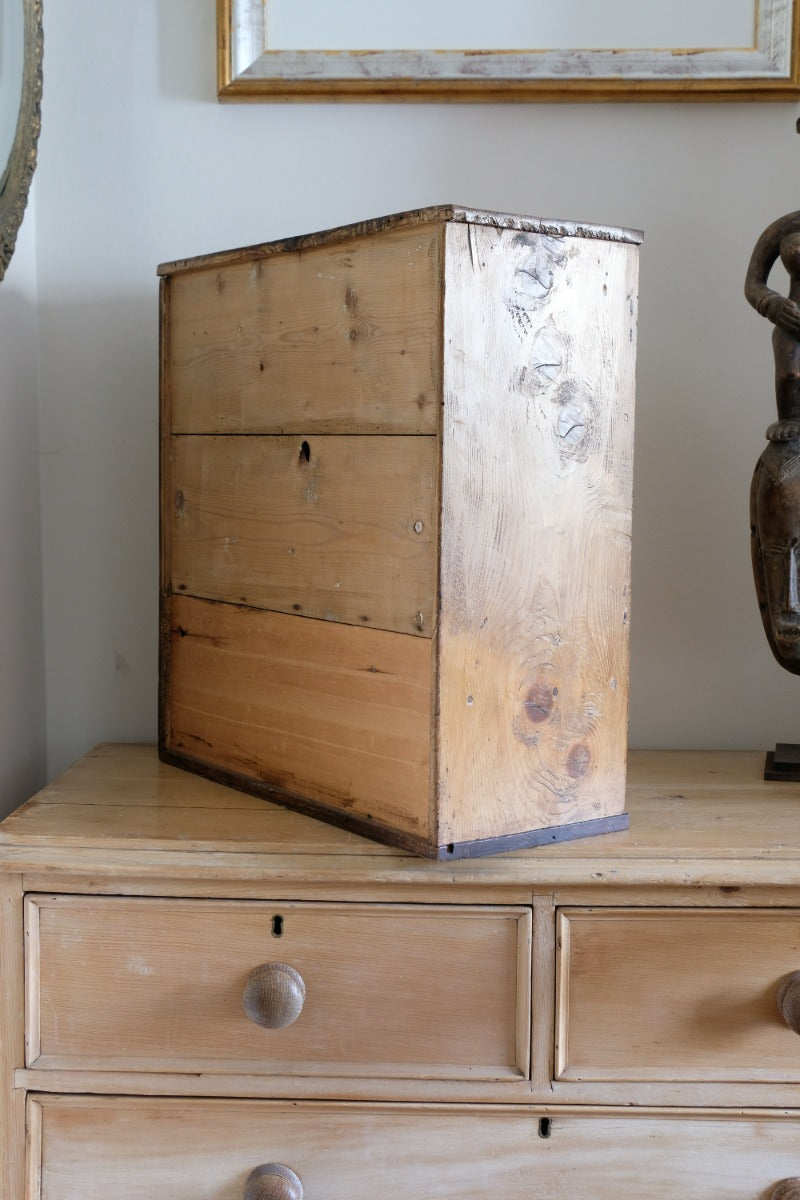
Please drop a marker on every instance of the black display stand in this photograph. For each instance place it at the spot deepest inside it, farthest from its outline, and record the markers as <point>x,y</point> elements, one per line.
<point>783,762</point>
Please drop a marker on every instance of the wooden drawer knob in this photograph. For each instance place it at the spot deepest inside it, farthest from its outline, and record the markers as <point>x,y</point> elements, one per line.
<point>789,1000</point>
<point>274,995</point>
<point>273,1181</point>
<point>787,1189</point>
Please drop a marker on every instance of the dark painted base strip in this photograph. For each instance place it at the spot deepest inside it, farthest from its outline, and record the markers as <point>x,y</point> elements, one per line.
<point>394,837</point>
<point>534,837</point>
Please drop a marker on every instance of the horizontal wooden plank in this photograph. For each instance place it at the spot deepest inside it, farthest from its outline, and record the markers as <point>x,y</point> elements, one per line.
<point>339,528</point>
<point>394,221</point>
<point>326,711</point>
<point>342,338</point>
<point>94,1147</point>
<point>699,819</point>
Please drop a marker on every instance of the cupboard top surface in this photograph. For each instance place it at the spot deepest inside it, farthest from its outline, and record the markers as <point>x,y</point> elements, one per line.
<point>553,227</point>
<point>696,818</point>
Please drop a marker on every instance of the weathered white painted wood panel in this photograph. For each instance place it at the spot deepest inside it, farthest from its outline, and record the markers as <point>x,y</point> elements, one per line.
<point>537,448</point>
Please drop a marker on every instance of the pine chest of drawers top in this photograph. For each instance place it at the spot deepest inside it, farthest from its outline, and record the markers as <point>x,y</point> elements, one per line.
<point>699,820</point>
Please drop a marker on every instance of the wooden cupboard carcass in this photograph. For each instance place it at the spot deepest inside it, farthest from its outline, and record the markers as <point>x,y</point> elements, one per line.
<point>396,498</point>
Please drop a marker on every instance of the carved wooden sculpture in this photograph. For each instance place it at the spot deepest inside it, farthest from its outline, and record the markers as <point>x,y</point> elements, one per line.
<point>775,492</point>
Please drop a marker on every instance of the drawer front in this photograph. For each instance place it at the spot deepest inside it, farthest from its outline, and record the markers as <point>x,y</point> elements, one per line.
<point>675,994</point>
<point>384,990</point>
<point>206,1150</point>
<point>339,338</point>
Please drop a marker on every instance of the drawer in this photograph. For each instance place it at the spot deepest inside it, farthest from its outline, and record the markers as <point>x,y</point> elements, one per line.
<point>206,1150</point>
<point>675,994</point>
<point>381,990</point>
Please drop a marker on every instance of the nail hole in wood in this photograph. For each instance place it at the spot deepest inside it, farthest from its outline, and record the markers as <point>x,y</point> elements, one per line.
<point>277,926</point>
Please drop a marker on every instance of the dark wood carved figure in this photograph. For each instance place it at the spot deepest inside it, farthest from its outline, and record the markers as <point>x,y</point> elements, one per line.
<point>775,491</point>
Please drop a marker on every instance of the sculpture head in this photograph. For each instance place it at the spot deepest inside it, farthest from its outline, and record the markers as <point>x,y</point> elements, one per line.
<point>775,544</point>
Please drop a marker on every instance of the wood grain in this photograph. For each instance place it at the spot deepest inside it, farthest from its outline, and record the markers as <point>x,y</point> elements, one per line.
<point>709,840</point>
<point>338,338</point>
<point>337,528</point>
<point>155,985</point>
<point>699,820</point>
<point>503,535</point>
<point>540,336</point>
<point>337,714</point>
<point>410,219</point>
<point>676,994</point>
<point>131,1148</point>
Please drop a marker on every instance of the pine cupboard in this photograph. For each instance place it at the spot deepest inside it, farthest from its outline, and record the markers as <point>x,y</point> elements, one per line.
<point>207,996</point>
<point>396,465</point>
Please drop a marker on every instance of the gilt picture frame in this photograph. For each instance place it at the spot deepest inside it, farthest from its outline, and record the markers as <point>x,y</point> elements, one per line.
<point>261,57</point>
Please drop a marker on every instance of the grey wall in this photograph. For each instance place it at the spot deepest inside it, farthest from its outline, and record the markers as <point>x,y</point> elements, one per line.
<point>140,164</point>
<point>22,714</point>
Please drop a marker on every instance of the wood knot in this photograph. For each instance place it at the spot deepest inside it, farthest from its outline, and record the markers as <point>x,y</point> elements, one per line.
<point>538,704</point>
<point>578,760</point>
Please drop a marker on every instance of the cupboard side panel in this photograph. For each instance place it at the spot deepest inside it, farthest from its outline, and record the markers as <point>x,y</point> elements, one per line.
<point>535,542</point>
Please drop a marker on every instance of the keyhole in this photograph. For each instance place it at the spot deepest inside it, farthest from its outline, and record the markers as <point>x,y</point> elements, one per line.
<point>305,451</point>
<point>277,926</point>
<point>545,1127</point>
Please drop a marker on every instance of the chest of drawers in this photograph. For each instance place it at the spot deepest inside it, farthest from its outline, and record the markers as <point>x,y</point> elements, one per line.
<point>207,996</point>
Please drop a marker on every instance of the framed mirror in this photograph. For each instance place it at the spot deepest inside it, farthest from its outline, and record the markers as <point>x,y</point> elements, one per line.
<point>20,113</point>
<point>507,50</point>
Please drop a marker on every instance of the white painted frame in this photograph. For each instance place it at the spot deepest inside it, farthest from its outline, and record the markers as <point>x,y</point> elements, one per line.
<point>248,69</point>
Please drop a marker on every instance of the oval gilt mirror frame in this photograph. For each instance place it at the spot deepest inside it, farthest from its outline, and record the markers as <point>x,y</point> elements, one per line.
<point>15,180</point>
